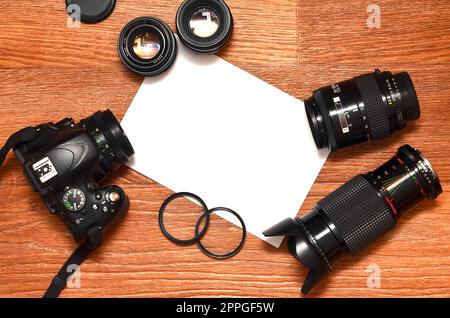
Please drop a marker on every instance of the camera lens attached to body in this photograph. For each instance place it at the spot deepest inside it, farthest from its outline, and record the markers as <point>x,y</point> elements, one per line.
<point>358,213</point>
<point>368,107</point>
<point>147,46</point>
<point>204,26</point>
<point>109,136</point>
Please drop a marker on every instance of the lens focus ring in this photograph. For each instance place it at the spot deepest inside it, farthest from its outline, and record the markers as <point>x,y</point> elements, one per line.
<point>359,214</point>
<point>374,106</point>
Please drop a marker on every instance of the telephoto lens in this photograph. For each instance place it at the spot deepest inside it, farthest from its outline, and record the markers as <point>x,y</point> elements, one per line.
<point>368,107</point>
<point>147,46</point>
<point>204,26</point>
<point>358,213</point>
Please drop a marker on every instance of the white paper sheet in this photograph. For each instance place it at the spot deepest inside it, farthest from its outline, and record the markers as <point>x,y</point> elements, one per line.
<point>210,128</point>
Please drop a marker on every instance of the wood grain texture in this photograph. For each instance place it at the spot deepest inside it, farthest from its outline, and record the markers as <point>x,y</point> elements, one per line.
<point>48,71</point>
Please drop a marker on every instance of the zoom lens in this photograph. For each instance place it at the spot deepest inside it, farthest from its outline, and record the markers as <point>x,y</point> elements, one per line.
<point>204,26</point>
<point>109,136</point>
<point>147,46</point>
<point>368,107</point>
<point>358,213</point>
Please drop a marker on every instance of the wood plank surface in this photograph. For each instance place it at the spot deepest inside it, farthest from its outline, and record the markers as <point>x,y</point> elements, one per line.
<point>49,71</point>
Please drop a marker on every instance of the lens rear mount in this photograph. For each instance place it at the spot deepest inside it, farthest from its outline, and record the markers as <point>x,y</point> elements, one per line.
<point>147,46</point>
<point>204,26</point>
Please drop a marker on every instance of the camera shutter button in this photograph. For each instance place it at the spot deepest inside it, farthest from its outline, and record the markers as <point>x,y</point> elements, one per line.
<point>114,196</point>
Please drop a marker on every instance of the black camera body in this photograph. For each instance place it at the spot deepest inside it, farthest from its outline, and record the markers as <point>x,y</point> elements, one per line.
<point>66,164</point>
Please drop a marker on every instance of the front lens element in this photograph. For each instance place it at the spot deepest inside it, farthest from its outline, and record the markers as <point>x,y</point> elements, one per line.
<point>405,179</point>
<point>146,45</point>
<point>204,22</point>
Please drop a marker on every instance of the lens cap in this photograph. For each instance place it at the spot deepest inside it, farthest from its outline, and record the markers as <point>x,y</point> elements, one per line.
<point>90,11</point>
<point>204,26</point>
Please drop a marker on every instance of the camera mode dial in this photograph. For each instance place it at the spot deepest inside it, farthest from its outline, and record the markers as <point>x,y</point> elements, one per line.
<point>74,200</point>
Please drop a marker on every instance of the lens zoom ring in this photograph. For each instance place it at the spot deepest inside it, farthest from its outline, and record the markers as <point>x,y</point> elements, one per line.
<point>374,106</point>
<point>359,214</point>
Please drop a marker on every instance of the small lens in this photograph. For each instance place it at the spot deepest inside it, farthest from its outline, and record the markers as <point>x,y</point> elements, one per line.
<point>146,45</point>
<point>204,26</point>
<point>204,22</point>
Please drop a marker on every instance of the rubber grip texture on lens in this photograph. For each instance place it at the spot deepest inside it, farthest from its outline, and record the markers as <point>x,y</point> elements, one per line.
<point>374,106</point>
<point>359,214</point>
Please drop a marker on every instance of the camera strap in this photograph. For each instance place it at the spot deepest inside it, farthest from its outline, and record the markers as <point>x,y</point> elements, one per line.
<point>59,282</point>
<point>24,135</point>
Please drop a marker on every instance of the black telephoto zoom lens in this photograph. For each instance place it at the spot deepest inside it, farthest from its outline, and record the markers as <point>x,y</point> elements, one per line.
<point>368,107</point>
<point>358,213</point>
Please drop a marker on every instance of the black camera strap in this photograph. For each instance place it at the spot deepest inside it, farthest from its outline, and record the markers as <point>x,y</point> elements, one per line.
<point>59,282</point>
<point>24,135</point>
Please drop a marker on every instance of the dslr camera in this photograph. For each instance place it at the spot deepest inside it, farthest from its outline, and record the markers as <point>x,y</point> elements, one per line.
<point>66,162</point>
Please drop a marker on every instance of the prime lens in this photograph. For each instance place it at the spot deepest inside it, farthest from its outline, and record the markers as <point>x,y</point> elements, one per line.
<point>109,136</point>
<point>147,46</point>
<point>204,26</point>
<point>358,213</point>
<point>368,107</point>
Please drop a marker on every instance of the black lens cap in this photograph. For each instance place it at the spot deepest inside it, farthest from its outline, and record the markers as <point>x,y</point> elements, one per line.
<point>91,11</point>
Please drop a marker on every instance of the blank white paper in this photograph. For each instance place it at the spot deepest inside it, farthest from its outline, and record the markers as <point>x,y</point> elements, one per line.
<point>210,128</point>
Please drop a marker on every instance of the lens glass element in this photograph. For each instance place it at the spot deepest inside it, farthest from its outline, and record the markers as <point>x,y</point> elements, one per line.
<point>146,45</point>
<point>204,22</point>
<point>405,179</point>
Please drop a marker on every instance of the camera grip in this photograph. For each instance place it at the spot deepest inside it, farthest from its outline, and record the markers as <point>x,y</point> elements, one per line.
<point>98,207</point>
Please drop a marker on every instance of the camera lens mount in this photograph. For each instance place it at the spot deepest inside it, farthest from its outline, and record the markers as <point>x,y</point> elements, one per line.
<point>204,26</point>
<point>147,46</point>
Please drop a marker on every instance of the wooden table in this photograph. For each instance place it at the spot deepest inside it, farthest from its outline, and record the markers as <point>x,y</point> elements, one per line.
<point>49,71</point>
